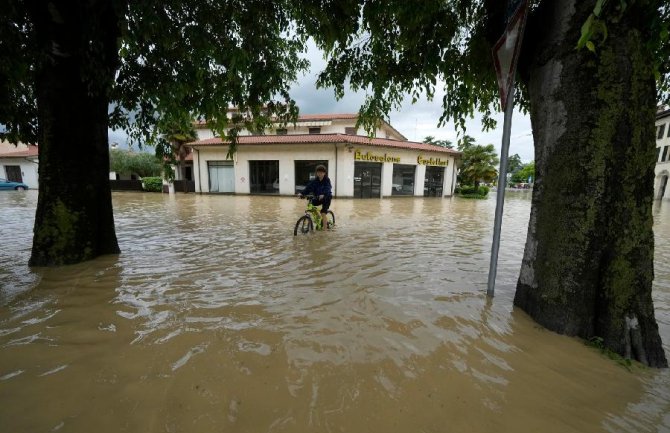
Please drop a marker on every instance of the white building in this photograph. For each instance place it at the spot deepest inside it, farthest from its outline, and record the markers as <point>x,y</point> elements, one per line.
<point>661,189</point>
<point>19,163</point>
<point>284,159</point>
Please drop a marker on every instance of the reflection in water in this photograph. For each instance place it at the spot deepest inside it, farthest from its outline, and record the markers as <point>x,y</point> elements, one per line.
<point>216,318</point>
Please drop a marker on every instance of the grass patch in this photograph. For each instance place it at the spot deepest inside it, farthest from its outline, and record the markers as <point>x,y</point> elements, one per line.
<point>599,344</point>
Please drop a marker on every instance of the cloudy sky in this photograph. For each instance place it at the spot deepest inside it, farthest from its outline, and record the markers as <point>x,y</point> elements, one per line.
<point>414,121</point>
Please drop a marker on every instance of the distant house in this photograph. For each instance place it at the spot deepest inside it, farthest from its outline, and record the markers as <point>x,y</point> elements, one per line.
<point>662,170</point>
<point>284,158</point>
<point>19,163</point>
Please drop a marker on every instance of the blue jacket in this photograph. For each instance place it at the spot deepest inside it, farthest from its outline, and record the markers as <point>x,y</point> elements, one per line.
<point>319,187</point>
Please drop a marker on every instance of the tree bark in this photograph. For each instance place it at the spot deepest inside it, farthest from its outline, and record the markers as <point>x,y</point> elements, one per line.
<point>587,269</point>
<point>78,42</point>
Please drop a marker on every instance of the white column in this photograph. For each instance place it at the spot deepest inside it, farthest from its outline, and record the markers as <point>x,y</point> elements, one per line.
<point>345,172</point>
<point>286,175</point>
<point>196,170</point>
<point>387,179</point>
<point>419,180</point>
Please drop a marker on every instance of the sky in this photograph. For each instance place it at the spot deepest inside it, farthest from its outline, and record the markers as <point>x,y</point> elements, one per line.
<point>414,121</point>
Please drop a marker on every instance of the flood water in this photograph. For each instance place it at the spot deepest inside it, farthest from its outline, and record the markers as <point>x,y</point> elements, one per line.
<point>215,318</point>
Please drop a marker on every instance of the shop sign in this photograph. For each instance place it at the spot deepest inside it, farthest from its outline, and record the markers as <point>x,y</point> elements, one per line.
<point>367,156</point>
<point>439,162</point>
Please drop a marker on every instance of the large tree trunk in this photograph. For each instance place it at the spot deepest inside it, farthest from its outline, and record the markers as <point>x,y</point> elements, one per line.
<point>588,264</point>
<point>74,220</point>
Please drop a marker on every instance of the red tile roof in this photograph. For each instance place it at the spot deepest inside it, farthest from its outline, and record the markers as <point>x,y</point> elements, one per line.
<point>31,151</point>
<point>327,138</point>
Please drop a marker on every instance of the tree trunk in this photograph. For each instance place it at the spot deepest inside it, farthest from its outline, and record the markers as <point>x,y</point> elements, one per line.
<point>74,220</point>
<point>588,263</point>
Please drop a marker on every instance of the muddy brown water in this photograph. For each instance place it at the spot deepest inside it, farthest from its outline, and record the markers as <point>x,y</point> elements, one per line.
<point>216,319</point>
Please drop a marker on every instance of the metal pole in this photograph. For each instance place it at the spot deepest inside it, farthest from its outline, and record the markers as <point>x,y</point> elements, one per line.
<point>500,194</point>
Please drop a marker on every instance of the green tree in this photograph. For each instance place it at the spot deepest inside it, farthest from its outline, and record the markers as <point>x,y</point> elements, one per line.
<point>145,164</point>
<point>442,143</point>
<point>524,173</point>
<point>118,161</point>
<point>514,163</point>
<point>590,268</point>
<point>478,164</point>
<point>171,146</point>
<point>142,164</point>
<point>466,142</point>
<point>63,63</point>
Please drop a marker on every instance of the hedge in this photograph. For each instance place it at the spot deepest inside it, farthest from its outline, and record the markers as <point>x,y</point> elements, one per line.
<point>152,184</point>
<point>468,191</point>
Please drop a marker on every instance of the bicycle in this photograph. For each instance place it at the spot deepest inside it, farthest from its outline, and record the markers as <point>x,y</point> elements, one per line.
<point>312,218</point>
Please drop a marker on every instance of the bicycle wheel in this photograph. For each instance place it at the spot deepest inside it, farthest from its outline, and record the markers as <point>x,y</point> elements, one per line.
<point>303,226</point>
<point>331,219</point>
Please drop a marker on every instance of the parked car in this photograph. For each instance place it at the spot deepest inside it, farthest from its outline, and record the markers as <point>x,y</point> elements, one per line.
<point>7,185</point>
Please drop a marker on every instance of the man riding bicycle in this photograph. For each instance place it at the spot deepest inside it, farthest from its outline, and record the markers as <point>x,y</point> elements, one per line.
<point>321,188</point>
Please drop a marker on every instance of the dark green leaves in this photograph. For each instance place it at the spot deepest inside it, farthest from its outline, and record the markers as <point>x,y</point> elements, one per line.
<point>394,48</point>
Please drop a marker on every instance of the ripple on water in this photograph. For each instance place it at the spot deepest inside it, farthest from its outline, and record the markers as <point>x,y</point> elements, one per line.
<point>380,325</point>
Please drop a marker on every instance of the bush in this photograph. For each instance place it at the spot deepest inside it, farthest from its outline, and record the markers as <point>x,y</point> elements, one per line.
<point>152,184</point>
<point>469,191</point>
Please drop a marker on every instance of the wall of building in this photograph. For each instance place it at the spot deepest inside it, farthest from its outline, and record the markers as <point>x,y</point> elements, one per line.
<point>662,169</point>
<point>341,164</point>
<point>286,155</point>
<point>28,170</point>
<point>337,126</point>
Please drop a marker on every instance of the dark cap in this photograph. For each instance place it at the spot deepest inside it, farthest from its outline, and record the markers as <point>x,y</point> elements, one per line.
<point>321,168</point>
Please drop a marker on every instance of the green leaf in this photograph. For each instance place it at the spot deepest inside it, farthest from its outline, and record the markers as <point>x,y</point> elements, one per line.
<point>587,31</point>
<point>597,10</point>
<point>590,46</point>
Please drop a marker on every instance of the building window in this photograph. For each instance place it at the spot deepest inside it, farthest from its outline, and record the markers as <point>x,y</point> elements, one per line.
<point>315,130</point>
<point>665,154</point>
<point>658,154</point>
<point>264,177</point>
<point>432,185</point>
<point>281,131</point>
<point>661,131</point>
<point>13,173</point>
<point>351,130</point>
<point>306,171</point>
<point>403,179</point>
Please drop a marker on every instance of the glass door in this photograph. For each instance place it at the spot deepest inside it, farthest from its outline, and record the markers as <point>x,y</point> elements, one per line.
<point>264,177</point>
<point>367,180</point>
<point>221,176</point>
<point>432,185</point>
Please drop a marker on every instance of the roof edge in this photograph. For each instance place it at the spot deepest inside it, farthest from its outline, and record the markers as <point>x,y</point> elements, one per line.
<point>319,138</point>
